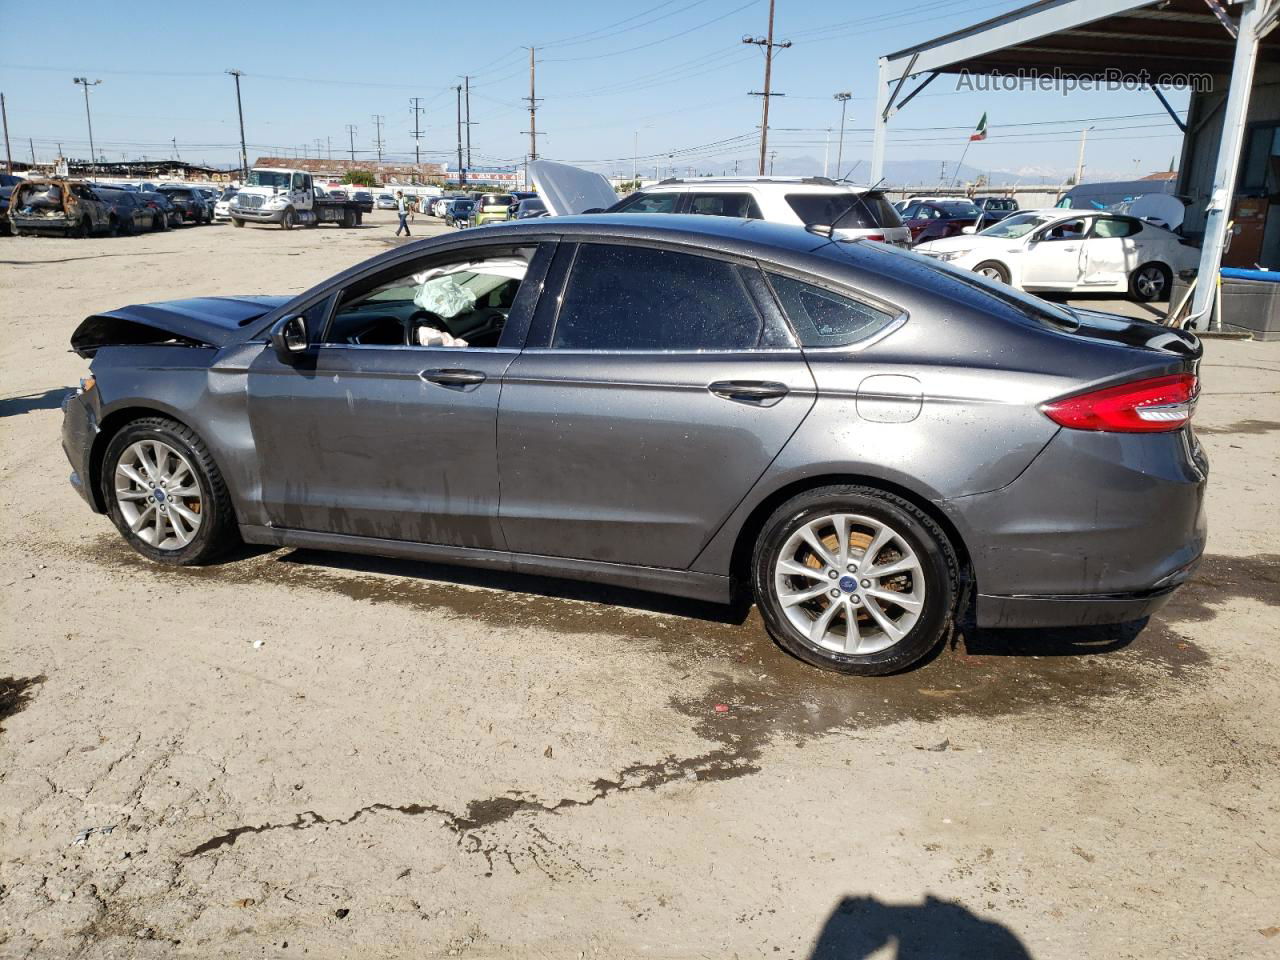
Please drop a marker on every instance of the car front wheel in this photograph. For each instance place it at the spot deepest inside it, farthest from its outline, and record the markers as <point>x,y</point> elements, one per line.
<point>992,271</point>
<point>854,579</point>
<point>165,494</point>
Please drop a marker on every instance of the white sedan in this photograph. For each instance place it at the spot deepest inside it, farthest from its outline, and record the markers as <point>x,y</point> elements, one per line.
<point>1072,251</point>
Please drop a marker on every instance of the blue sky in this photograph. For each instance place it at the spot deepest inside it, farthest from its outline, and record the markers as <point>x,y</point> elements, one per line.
<point>651,78</point>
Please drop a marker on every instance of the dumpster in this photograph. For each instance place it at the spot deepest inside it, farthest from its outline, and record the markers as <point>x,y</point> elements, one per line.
<point>1251,302</point>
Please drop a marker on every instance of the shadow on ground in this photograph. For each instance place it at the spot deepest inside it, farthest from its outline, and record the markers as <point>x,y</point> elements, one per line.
<point>49,400</point>
<point>862,927</point>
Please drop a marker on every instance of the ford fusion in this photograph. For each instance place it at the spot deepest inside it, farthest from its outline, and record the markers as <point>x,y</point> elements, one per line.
<point>864,439</point>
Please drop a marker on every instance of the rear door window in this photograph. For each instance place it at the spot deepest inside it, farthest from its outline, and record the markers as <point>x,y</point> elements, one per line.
<point>741,205</point>
<point>822,318</point>
<point>622,297</point>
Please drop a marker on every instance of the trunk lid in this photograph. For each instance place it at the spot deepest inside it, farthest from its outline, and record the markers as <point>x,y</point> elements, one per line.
<point>212,321</point>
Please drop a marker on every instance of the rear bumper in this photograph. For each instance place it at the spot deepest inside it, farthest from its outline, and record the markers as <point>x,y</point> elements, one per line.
<point>1100,528</point>
<point>79,430</point>
<point>1077,611</point>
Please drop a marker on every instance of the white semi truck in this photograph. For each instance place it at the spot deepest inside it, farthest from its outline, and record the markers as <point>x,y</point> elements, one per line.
<point>289,198</point>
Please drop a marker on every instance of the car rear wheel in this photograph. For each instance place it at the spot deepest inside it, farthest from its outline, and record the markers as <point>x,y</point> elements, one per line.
<point>165,494</point>
<point>992,271</point>
<point>1151,281</point>
<point>84,229</point>
<point>237,222</point>
<point>854,579</point>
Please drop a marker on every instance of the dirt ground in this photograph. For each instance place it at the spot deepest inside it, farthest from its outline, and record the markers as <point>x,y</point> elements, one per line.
<point>299,753</point>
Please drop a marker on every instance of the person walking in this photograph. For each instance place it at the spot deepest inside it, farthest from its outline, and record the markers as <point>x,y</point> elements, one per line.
<point>402,209</point>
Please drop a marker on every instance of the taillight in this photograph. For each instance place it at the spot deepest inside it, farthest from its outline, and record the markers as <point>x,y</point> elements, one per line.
<point>1145,406</point>
<point>874,236</point>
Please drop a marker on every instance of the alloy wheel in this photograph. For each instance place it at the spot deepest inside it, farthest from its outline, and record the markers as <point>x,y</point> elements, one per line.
<point>158,494</point>
<point>1150,282</point>
<point>849,583</point>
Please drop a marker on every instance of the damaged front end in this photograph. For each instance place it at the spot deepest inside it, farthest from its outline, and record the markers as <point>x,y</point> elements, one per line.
<point>199,322</point>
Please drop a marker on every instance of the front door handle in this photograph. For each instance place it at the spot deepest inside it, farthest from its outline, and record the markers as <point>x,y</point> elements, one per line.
<point>453,377</point>
<point>748,391</point>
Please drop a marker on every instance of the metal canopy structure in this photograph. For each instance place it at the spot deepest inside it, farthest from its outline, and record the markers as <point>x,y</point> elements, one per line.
<point>1073,39</point>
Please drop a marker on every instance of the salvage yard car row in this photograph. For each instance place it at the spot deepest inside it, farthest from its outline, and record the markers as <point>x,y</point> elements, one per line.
<point>80,208</point>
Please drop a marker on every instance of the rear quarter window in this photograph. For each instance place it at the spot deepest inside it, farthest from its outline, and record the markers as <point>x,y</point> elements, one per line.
<point>823,318</point>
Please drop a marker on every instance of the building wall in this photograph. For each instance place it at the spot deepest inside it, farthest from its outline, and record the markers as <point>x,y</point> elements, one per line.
<point>1204,136</point>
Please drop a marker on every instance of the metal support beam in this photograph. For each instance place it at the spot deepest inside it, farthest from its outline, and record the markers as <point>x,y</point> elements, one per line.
<point>1234,119</point>
<point>1168,109</point>
<point>911,96</point>
<point>878,131</point>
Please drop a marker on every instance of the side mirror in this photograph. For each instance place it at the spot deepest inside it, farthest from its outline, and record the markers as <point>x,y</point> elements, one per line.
<point>290,338</point>
<point>969,229</point>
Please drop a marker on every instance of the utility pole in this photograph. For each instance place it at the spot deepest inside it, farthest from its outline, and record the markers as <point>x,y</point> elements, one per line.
<point>533,110</point>
<point>466,105</point>
<point>462,171</point>
<point>1080,159</point>
<point>768,46</point>
<point>772,155</point>
<point>32,145</point>
<point>377,119</point>
<point>244,154</point>
<point>86,83</point>
<point>8,156</point>
<point>328,142</point>
<point>844,97</point>
<point>635,159</point>
<point>351,139</point>
<point>417,130</point>
<point>176,154</point>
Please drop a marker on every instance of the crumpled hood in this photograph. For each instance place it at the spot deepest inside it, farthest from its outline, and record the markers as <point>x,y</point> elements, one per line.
<point>214,321</point>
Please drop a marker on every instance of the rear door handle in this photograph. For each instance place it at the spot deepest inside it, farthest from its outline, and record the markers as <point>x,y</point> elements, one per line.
<point>748,391</point>
<point>453,377</point>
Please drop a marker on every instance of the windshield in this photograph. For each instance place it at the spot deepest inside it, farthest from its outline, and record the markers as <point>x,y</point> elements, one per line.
<point>959,208</point>
<point>1018,225</point>
<point>275,179</point>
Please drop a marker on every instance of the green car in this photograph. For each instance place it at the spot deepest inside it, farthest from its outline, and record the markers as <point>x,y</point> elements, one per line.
<point>492,208</point>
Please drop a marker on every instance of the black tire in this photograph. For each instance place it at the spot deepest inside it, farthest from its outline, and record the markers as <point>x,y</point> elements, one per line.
<point>217,530</point>
<point>84,229</point>
<point>237,222</point>
<point>1000,271</point>
<point>937,566</point>
<point>287,219</point>
<point>1151,281</point>
<point>348,220</point>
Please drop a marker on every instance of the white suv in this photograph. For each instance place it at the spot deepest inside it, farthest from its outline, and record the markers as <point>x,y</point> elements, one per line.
<point>855,212</point>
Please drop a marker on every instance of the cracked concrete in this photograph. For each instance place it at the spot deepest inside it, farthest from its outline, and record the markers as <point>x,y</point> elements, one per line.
<point>421,761</point>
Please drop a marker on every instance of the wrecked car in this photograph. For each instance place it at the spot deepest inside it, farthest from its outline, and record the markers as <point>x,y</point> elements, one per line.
<point>68,207</point>
<point>856,436</point>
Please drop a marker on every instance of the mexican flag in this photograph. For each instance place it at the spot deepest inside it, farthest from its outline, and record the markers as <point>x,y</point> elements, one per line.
<point>981,132</point>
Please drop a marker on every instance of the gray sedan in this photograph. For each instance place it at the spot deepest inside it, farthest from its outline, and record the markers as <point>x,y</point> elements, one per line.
<point>869,442</point>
